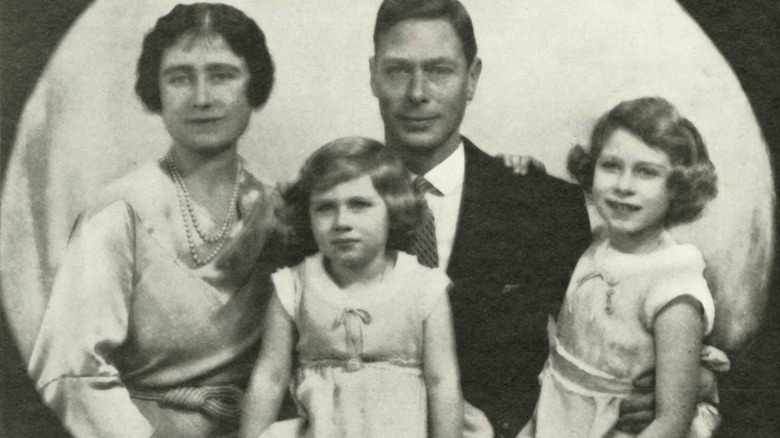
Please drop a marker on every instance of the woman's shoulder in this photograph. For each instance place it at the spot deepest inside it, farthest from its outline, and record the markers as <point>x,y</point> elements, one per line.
<point>141,186</point>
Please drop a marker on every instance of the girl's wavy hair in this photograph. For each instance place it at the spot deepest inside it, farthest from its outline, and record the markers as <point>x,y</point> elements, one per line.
<point>342,160</point>
<point>692,182</point>
<point>240,32</point>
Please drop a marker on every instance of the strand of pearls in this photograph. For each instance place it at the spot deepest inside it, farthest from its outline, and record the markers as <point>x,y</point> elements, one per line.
<point>189,216</point>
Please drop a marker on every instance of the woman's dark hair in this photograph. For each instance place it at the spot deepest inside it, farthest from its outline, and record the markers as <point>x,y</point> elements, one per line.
<point>345,159</point>
<point>692,182</point>
<point>240,32</point>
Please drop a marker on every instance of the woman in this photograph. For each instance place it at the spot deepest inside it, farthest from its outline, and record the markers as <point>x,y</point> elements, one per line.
<point>153,324</point>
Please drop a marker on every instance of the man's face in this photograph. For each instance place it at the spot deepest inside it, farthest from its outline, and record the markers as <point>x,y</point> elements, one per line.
<point>420,76</point>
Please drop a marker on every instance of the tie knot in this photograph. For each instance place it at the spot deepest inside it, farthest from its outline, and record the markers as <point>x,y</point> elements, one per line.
<point>423,186</point>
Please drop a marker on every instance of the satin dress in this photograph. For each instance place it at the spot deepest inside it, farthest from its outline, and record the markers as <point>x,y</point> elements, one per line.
<point>132,320</point>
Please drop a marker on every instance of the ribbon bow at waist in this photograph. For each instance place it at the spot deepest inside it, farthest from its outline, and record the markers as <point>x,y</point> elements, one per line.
<point>353,321</point>
<point>216,401</point>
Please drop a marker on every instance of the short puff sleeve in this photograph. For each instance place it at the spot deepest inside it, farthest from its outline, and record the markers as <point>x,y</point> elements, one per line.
<point>681,274</point>
<point>435,285</point>
<point>287,289</point>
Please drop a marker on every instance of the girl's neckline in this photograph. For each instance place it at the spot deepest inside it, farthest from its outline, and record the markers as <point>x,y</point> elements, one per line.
<point>614,263</point>
<point>664,241</point>
<point>392,258</point>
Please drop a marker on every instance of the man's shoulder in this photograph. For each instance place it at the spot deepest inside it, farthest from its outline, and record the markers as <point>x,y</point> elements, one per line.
<point>536,186</point>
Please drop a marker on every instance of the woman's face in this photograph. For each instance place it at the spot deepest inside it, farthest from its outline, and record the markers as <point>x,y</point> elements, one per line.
<point>350,223</point>
<point>203,93</point>
<point>629,186</point>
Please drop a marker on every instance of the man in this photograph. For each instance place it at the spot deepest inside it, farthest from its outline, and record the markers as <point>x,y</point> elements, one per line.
<point>508,243</point>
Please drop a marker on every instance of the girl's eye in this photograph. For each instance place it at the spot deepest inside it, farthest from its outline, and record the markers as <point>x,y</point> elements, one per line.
<point>359,204</point>
<point>608,165</point>
<point>323,208</point>
<point>647,172</point>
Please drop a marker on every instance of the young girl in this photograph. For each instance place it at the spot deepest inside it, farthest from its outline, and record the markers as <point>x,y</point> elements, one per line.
<point>369,328</point>
<point>637,300</point>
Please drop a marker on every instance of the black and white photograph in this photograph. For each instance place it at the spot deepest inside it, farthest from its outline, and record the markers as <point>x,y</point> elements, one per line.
<point>389,218</point>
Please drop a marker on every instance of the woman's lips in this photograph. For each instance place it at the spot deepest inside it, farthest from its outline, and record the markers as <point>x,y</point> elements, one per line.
<point>344,242</point>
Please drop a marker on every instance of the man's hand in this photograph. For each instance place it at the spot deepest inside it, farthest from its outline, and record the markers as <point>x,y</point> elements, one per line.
<point>521,164</point>
<point>638,410</point>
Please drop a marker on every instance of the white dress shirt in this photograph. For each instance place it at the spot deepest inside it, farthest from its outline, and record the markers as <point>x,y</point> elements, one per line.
<point>448,178</point>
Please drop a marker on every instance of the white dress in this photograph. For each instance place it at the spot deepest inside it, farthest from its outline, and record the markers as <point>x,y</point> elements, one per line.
<point>359,356</point>
<point>604,338</point>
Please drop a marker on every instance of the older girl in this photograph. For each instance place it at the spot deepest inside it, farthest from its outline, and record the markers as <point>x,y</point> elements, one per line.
<point>637,300</point>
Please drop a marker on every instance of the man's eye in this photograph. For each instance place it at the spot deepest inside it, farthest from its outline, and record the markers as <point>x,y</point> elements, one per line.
<point>440,70</point>
<point>396,70</point>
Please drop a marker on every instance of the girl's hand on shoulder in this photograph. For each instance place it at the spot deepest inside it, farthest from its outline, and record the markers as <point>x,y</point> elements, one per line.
<point>522,164</point>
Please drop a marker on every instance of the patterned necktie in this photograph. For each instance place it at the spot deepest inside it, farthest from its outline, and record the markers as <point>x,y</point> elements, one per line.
<point>424,244</point>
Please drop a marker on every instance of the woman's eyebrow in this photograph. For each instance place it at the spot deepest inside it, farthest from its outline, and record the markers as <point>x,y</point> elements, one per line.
<point>222,66</point>
<point>178,68</point>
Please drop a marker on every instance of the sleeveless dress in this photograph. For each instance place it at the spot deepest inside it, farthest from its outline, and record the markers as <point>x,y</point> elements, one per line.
<point>604,338</point>
<point>359,356</point>
<point>137,340</point>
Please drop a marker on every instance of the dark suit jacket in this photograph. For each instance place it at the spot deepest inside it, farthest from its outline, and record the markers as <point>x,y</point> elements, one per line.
<point>516,245</point>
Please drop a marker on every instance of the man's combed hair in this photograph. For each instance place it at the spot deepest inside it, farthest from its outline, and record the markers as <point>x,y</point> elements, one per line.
<point>392,12</point>
<point>343,160</point>
<point>692,182</point>
<point>240,32</point>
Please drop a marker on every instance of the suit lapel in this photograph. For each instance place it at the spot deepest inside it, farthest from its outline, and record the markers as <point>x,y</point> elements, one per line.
<point>475,199</point>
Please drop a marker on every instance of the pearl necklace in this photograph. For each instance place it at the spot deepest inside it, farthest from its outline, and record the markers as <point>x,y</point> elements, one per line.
<point>189,216</point>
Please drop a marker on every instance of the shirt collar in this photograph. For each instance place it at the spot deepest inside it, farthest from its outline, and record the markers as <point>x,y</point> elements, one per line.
<point>448,175</point>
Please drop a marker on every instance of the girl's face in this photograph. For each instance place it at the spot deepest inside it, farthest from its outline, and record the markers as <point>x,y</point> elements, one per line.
<point>629,187</point>
<point>350,223</point>
<point>203,93</point>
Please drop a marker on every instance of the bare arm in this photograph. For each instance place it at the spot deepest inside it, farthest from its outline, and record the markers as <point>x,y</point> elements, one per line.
<point>442,377</point>
<point>638,411</point>
<point>679,329</point>
<point>271,375</point>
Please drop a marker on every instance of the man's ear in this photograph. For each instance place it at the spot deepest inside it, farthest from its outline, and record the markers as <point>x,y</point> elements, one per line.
<point>372,69</point>
<point>474,71</point>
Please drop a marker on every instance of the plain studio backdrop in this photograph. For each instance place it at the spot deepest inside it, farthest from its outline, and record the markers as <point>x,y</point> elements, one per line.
<point>549,70</point>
